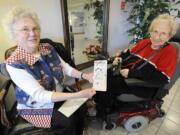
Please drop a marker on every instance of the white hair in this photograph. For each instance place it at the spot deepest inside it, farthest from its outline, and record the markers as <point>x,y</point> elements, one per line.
<point>172,23</point>
<point>15,15</point>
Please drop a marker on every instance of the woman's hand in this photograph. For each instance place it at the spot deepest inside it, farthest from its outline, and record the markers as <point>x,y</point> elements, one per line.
<point>125,50</point>
<point>124,72</point>
<point>117,60</point>
<point>88,76</point>
<point>78,74</point>
<point>87,93</point>
<point>118,53</point>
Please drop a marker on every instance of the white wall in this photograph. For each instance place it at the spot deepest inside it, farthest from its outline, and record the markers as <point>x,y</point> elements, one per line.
<point>49,12</point>
<point>118,26</point>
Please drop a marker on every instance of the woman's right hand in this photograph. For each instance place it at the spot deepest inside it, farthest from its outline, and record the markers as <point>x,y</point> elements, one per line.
<point>88,76</point>
<point>87,93</point>
<point>117,60</point>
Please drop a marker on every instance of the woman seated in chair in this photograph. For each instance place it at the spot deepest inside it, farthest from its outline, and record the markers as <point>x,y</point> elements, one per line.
<point>152,59</point>
<point>38,72</point>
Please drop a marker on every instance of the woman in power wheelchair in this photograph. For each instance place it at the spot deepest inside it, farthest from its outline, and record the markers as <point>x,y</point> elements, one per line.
<point>152,61</point>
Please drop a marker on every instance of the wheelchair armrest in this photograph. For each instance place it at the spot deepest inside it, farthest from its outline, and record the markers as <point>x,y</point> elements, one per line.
<point>141,83</point>
<point>21,127</point>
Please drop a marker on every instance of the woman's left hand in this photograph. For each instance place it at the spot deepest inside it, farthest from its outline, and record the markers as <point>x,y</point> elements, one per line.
<point>88,76</point>
<point>124,72</point>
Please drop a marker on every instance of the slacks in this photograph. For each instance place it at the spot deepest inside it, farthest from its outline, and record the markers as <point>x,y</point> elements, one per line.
<point>116,86</point>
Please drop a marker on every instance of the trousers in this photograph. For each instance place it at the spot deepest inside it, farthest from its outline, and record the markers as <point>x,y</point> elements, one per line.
<point>74,125</point>
<point>116,86</point>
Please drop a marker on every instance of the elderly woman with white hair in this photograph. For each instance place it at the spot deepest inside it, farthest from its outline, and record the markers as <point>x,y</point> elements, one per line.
<point>38,72</point>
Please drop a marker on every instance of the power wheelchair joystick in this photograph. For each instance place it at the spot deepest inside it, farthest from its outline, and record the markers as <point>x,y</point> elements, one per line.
<point>116,68</point>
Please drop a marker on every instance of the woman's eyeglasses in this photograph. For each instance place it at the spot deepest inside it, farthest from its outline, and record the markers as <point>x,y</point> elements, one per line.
<point>161,35</point>
<point>28,30</point>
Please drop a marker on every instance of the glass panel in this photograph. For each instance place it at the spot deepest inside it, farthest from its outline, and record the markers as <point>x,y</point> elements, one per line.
<point>85,29</point>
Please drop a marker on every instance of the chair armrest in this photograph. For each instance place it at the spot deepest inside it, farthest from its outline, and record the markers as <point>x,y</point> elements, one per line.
<point>138,82</point>
<point>21,127</point>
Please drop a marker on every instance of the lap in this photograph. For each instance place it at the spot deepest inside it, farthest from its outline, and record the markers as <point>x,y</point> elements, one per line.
<point>116,85</point>
<point>72,125</point>
<point>60,119</point>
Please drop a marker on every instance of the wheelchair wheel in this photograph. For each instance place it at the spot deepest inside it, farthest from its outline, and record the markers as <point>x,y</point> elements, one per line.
<point>136,123</point>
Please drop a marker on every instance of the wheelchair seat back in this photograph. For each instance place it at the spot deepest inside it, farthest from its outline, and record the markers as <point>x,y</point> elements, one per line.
<point>7,102</point>
<point>177,72</point>
<point>176,42</point>
<point>10,120</point>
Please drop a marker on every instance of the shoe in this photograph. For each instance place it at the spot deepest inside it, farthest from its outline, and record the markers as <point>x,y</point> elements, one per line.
<point>91,108</point>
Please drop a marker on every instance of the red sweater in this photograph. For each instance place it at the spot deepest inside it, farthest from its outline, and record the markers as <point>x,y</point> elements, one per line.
<point>160,67</point>
<point>166,59</point>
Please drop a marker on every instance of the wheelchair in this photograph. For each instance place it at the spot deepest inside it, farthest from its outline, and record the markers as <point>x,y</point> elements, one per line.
<point>134,113</point>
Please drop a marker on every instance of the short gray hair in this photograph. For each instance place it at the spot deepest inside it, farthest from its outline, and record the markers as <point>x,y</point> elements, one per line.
<point>16,14</point>
<point>172,23</point>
